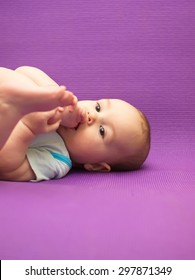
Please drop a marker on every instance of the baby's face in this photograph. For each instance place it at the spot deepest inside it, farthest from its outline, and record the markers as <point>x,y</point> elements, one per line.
<point>112,129</point>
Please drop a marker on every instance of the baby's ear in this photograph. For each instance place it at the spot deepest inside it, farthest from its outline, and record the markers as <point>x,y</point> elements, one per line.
<point>98,167</point>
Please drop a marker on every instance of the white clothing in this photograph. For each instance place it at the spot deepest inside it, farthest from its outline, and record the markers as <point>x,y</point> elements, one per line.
<point>48,157</point>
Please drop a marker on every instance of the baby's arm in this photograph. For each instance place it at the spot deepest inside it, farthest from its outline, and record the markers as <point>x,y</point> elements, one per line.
<point>13,161</point>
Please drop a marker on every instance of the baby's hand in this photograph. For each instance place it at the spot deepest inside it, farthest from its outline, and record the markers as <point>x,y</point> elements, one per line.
<point>42,122</point>
<point>73,115</point>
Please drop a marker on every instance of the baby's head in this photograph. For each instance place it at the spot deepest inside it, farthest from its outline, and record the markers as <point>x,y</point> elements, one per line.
<point>115,136</point>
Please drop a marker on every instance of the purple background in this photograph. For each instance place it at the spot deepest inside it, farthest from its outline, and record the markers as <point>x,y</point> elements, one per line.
<point>142,52</point>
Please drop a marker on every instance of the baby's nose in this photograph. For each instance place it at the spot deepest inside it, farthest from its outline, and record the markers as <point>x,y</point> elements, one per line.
<point>90,118</point>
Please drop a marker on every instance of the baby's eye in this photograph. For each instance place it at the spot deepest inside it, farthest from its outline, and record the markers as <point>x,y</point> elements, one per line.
<point>102,131</point>
<point>98,107</point>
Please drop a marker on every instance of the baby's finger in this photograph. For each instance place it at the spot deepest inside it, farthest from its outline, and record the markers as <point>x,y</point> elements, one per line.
<point>55,115</point>
<point>53,126</point>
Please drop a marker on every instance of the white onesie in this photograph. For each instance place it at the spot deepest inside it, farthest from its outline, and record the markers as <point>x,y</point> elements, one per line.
<point>48,157</point>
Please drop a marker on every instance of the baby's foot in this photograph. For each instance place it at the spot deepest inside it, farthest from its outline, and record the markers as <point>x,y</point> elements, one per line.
<point>48,98</point>
<point>36,99</point>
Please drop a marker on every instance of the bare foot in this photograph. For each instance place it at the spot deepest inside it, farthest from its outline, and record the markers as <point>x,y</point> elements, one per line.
<point>48,98</point>
<point>36,98</point>
<point>14,104</point>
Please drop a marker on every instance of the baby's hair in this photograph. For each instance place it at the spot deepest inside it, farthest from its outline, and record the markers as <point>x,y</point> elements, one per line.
<point>135,161</point>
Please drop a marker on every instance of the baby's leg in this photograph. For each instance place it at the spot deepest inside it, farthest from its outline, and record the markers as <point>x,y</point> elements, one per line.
<point>19,95</point>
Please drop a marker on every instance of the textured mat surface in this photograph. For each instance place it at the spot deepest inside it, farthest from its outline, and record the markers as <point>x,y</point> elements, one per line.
<point>142,52</point>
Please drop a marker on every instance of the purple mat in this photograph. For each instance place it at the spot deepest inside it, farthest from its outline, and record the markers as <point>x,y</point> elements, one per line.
<point>143,52</point>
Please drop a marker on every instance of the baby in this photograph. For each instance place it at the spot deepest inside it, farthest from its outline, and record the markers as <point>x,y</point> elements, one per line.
<point>103,135</point>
